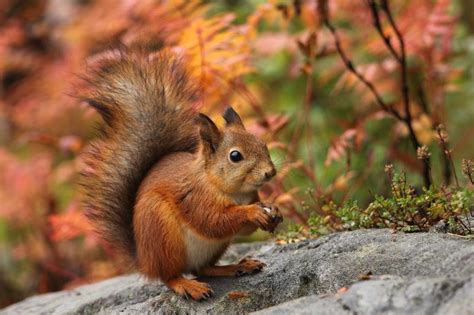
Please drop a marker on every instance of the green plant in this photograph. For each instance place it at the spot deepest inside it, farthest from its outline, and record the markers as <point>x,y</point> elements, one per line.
<point>405,209</point>
<point>408,210</point>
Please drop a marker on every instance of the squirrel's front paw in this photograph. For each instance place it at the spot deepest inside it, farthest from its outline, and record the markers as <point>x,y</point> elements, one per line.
<point>273,211</point>
<point>266,216</point>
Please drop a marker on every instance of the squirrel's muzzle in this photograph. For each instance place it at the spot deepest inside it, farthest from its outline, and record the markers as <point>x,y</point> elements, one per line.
<point>270,173</point>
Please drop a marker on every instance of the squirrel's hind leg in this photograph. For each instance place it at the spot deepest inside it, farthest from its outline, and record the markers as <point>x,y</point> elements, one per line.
<point>246,266</point>
<point>190,288</point>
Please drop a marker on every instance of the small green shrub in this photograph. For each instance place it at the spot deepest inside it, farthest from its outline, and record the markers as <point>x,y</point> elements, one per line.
<point>406,209</point>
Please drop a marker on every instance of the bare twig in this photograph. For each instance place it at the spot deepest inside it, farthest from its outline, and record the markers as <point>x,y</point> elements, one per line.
<point>407,118</point>
<point>422,97</point>
<point>378,26</point>
<point>403,67</point>
<point>405,89</point>
<point>443,142</point>
<point>350,66</point>
<point>424,106</point>
<point>307,110</point>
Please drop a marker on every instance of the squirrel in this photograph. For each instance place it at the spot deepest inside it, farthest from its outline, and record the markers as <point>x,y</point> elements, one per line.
<point>163,184</point>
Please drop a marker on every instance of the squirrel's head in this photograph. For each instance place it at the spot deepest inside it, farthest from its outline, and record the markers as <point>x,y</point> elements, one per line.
<point>236,161</point>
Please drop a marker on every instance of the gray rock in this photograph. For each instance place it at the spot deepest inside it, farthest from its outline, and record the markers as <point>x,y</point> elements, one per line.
<point>395,295</point>
<point>429,273</point>
<point>308,305</point>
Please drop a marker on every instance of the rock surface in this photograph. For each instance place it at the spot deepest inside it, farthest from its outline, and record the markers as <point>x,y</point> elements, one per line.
<point>422,273</point>
<point>389,295</point>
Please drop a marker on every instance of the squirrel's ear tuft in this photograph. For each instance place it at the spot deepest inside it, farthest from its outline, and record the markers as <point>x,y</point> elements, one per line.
<point>232,118</point>
<point>209,133</point>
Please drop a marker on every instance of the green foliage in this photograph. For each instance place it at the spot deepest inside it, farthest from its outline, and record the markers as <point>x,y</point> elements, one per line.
<point>405,209</point>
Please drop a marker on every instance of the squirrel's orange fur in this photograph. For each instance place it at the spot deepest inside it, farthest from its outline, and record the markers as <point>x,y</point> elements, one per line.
<point>161,183</point>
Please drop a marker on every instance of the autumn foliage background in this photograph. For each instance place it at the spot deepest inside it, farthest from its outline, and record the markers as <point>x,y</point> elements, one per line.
<point>277,62</point>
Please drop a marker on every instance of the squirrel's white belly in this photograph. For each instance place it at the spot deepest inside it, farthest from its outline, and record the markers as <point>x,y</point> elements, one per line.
<point>200,251</point>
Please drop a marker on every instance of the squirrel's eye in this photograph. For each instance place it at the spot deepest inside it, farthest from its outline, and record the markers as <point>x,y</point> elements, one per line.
<point>235,156</point>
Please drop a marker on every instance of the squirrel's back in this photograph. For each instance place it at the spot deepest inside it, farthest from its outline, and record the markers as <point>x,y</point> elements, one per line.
<point>146,103</point>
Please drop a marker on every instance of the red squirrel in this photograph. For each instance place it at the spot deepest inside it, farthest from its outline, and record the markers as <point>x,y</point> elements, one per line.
<point>163,185</point>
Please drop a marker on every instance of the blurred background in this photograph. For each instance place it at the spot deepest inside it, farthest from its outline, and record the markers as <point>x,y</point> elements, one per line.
<point>321,81</point>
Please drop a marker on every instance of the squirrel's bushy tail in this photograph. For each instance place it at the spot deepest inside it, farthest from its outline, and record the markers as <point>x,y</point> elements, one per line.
<point>146,103</point>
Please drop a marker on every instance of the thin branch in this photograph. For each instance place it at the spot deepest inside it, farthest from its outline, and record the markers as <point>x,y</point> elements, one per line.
<point>407,118</point>
<point>447,173</point>
<point>422,97</point>
<point>307,120</point>
<point>403,65</point>
<point>350,66</point>
<point>405,88</point>
<point>443,142</point>
<point>378,26</point>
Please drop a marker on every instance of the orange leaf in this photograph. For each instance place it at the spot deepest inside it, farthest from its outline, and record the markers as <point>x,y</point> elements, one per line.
<point>234,295</point>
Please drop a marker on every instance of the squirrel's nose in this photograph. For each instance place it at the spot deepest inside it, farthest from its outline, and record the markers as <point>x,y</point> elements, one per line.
<point>269,174</point>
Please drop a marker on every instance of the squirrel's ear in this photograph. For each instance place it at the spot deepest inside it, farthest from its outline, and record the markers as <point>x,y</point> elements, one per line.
<point>232,118</point>
<point>209,133</point>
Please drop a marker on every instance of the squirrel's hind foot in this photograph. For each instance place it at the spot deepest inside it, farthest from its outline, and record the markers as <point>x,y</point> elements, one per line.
<point>249,266</point>
<point>188,288</point>
<point>246,266</point>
